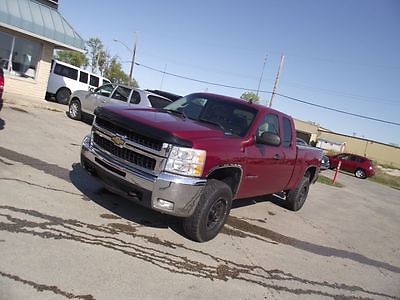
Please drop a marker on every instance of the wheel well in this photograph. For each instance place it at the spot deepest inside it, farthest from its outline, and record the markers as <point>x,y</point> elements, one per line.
<point>311,173</point>
<point>63,87</point>
<point>229,175</point>
<point>76,99</point>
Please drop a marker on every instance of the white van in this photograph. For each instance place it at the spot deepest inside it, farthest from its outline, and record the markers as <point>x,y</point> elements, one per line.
<point>65,79</point>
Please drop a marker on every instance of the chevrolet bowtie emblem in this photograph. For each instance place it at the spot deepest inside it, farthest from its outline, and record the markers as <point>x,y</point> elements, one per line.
<point>118,140</point>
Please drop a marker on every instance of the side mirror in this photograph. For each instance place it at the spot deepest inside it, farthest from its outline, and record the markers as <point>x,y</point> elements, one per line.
<point>91,89</point>
<point>268,138</point>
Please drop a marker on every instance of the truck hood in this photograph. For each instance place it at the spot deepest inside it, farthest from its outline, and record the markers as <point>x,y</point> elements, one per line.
<point>160,124</point>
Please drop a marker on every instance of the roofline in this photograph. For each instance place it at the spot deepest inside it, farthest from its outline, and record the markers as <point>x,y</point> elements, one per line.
<point>40,37</point>
<point>359,138</point>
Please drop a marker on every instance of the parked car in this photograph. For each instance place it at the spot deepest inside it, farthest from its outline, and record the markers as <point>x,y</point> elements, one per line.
<point>301,142</point>
<point>361,166</point>
<point>166,94</point>
<point>325,165</point>
<point>325,159</point>
<point>87,101</point>
<point>193,157</point>
<point>65,79</point>
<point>1,87</point>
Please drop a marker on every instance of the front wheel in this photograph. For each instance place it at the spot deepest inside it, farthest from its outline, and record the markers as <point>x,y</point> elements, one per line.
<point>75,109</point>
<point>296,197</point>
<point>211,212</point>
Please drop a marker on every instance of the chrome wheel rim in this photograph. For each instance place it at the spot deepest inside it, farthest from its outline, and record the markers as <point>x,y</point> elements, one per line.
<point>73,110</point>
<point>360,173</point>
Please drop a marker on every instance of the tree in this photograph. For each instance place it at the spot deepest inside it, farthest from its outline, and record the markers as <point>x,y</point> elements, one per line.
<point>250,97</point>
<point>72,57</point>
<point>96,54</point>
<point>114,72</point>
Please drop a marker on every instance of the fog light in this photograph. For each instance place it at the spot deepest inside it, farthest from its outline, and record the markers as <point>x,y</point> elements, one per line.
<point>164,204</point>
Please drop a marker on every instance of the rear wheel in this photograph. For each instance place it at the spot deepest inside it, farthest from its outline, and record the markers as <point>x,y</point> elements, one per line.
<point>296,197</point>
<point>62,95</point>
<point>75,109</point>
<point>211,212</point>
<point>360,173</point>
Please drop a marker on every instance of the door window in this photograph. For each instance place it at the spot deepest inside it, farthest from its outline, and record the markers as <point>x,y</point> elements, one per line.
<point>269,124</point>
<point>94,81</point>
<point>121,93</point>
<point>104,90</point>
<point>83,77</point>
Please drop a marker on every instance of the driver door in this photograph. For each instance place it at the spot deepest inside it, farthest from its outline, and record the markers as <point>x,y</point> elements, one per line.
<point>264,173</point>
<point>100,96</point>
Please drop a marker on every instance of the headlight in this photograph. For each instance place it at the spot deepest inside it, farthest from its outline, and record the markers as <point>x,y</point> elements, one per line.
<point>186,161</point>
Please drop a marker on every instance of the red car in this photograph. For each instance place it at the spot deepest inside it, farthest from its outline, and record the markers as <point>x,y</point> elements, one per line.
<point>1,87</point>
<point>361,166</point>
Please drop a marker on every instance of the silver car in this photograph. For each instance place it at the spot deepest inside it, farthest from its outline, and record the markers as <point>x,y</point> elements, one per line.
<point>85,102</point>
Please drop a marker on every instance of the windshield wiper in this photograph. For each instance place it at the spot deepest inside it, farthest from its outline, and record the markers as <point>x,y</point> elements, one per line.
<point>217,124</point>
<point>175,112</point>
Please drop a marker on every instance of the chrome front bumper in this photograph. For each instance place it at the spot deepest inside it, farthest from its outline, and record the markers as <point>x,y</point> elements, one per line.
<point>168,193</point>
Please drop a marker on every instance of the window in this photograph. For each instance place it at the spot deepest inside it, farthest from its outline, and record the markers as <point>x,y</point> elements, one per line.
<point>83,77</point>
<point>121,93</point>
<point>135,98</point>
<point>269,124</point>
<point>104,90</point>
<point>66,71</point>
<point>94,81</point>
<point>158,102</point>
<point>287,132</point>
<point>19,56</point>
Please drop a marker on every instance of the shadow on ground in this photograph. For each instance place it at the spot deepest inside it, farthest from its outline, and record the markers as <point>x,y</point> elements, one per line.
<point>93,190</point>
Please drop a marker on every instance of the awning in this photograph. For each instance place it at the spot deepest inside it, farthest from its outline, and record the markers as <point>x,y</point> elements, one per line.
<point>40,21</point>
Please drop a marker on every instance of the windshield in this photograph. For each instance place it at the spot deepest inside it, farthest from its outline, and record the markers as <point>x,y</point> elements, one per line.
<point>228,116</point>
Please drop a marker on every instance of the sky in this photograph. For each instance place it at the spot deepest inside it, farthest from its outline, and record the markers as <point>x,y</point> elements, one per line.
<point>343,54</point>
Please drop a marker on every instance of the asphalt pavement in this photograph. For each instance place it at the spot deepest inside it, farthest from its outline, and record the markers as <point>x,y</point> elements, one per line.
<point>62,235</point>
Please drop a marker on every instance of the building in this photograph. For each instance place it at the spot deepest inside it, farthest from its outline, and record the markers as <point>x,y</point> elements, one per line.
<point>326,139</point>
<point>30,30</point>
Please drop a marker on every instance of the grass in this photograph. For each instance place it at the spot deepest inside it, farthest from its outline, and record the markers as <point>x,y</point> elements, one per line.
<point>326,180</point>
<point>389,166</point>
<point>386,179</point>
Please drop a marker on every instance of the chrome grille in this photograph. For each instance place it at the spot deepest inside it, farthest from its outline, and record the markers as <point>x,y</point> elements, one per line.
<point>124,153</point>
<point>132,136</point>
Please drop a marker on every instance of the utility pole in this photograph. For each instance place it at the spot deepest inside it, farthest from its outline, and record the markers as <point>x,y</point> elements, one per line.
<point>276,81</point>
<point>133,58</point>
<point>262,73</point>
<point>162,78</point>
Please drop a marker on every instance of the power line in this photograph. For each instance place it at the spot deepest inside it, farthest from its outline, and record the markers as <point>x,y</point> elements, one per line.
<point>200,81</point>
<point>268,92</point>
<point>338,110</point>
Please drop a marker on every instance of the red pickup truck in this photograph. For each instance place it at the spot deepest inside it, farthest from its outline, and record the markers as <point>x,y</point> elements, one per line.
<point>193,157</point>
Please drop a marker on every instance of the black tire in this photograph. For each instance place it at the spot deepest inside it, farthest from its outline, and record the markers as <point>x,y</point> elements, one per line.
<point>296,197</point>
<point>74,110</point>
<point>211,212</point>
<point>62,95</point>
<point>360,173</point>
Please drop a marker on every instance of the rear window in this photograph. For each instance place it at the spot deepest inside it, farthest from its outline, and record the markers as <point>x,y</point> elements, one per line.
<point>158,102</point>
<point>66,71</point>
<point>287,132</point>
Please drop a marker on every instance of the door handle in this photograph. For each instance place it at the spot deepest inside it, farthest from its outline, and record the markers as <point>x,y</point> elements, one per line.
<point>277,157</point>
